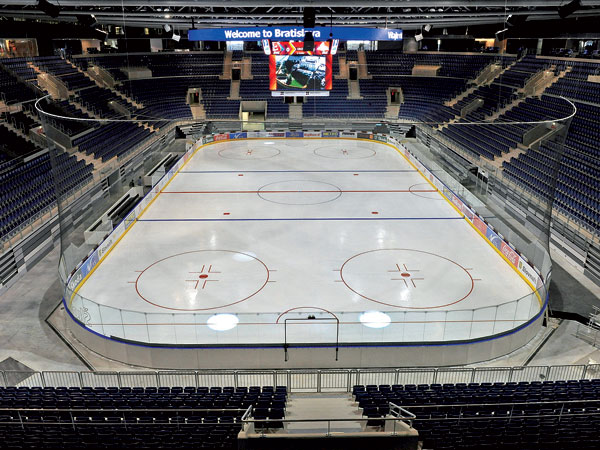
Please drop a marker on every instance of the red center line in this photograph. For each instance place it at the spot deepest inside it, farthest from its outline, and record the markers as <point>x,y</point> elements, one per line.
<point>297,191</point>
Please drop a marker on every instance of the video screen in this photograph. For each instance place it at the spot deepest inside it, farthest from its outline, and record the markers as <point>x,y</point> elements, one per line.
<point>300,72</point>
<point>297,47</point>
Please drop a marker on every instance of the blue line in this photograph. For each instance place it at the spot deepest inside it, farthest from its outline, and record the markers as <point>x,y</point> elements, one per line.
<point>297,171</point>
<point>301,219</point>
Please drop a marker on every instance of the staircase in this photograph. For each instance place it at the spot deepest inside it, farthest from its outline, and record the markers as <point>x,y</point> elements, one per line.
<point>392,111</point>
<point>227,63</point>
<point>363,69</point>
<point>85,109</point>
<point>126,98</point>
<point>18,131</point>
<point>198,111</point>
<point>295,111</point>
<point>234,90</point>
<point>323,406</point>
<point>50,83</point>
<point>354,90</point>
<point>513,153</point>
<point>104,86</point>
<point>545,83</point>
<point>344,73</point>
<point>89,159</point>
<point>453,101</point>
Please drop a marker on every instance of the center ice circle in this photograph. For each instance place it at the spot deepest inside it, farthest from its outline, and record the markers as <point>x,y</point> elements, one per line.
<point>202,280</point>
<point>255,152</point>
<point>299,192</point>
<point>351,151</point>
<point>406,278</point>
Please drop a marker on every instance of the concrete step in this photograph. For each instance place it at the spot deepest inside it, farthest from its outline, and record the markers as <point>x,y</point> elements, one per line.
<point>323,406</point>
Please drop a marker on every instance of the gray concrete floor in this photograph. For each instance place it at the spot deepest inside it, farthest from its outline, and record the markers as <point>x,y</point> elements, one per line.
<point>24,334</point>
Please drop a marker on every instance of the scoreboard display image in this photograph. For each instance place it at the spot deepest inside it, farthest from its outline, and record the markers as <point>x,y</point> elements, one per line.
<point>297,48</point>
<point>300,72</point>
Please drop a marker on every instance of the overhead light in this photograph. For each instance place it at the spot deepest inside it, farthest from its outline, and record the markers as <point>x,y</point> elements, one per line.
<point>167,16</point>
<point>375,319</point>
<point>222,322</point>
<point>428,27</point>
<point>48,8</point>
<point>565,11</point>
<point>167,27</point>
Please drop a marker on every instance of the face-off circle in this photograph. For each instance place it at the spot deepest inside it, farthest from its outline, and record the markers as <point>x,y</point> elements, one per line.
<point>247,153</point>
<point>425,190</point>
<point>344,152</point>
<point>202,280</point>
<point>406,278</point>
<point>299,192</point>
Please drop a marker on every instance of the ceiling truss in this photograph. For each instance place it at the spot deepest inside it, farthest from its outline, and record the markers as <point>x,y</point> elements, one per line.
<point>405,14</point>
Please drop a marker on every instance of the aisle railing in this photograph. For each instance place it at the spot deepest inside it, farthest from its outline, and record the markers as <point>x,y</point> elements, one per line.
<point>300,380</point>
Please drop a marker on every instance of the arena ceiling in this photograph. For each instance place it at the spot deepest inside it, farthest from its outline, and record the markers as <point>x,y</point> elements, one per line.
<point>405,14</point>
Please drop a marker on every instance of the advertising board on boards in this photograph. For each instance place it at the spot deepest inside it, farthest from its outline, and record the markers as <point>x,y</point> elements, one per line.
<point>312,134</point>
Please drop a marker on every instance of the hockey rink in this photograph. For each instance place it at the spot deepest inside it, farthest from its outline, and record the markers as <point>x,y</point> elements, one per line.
<point>252,237</point>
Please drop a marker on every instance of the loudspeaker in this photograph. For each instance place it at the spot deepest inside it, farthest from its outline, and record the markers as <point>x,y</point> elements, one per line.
<point>565,11</point>
<point>176,37</point>
<point>309,42</point>
<point>309,17</point>
<point>48,8</point>
<point>501,35</point>
<point>515,21</point>
<point>87,21</point>
<point>167,27</point>
<point>427,28</point>
<point>418,37</point>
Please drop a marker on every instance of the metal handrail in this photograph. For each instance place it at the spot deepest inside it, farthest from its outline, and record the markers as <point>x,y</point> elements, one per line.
<point>313,380</point>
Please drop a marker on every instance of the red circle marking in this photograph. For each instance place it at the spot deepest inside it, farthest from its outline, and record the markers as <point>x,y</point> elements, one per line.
<point>405,274</point>
<point>203,276</point>
<point>303,307</point>
<point>201,309</point>
<point>406,307</point>
<point>423,193</point>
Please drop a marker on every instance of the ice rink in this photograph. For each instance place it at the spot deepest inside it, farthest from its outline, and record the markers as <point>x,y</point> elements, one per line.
<point>252,237</point>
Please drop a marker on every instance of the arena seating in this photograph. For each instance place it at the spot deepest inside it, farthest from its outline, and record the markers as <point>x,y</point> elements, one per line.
<point>524,415</point>
<point>12,90</point>
<point>22,121</point>
<point>98,100</point>
<point>113,139</point>
<point>577,187</point>
<point>27,189</point>
<point>111,417</point>
<point>162,98</point>
<point>64,109</point>
<point>391,63</point>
